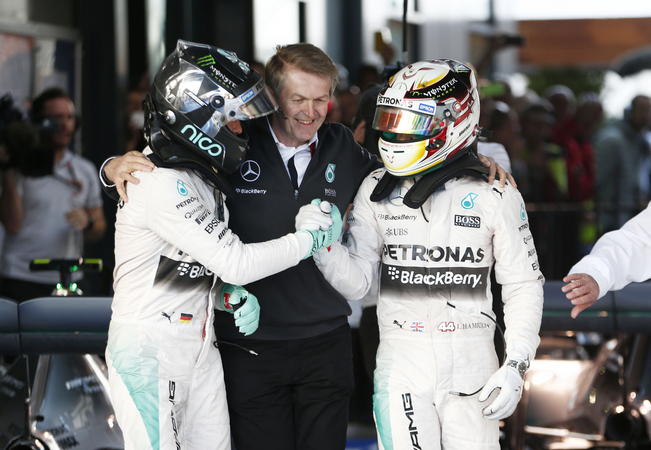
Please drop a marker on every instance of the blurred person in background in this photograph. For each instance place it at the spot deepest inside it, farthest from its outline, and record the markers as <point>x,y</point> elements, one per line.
<point>49,216</point>
<point>574,136</point>
<point>546,168</point>
<point>563,102</point>
<point>135,120</point>
<point>620,150</point>
<point>546,191</point>
<point>364,133</point>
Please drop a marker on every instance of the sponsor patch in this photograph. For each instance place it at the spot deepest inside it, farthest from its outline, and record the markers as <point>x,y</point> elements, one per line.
<point>381,216</point>
<point>414,252</point>
<point>330,173</point>
<point>409,414</point>
<point>466,281</point>
<point>189,214</point>
<point>426,108</point>
<point>467,221</point>
<point>202,217</point>
<point>396,232</point>
<point>214,223</point>
<point>250,191</point>
<point>180,187</point>
<point>180,276</point>
<point>247,95</point>
<point>250,170</point>
<point>205,60</point>
<point>468,202</point>
<point>185,203</point>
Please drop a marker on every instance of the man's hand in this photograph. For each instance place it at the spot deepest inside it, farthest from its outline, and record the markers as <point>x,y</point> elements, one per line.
<point>119,170</point>
<point>78,219</point>
<point>494,169</point>
<point>582,290</point>
<point>323,239</point>
<point>243,305</point>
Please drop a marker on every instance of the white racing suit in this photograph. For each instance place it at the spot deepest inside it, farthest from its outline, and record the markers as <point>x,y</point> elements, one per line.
<point>165,375</point>
<point>435,285</point>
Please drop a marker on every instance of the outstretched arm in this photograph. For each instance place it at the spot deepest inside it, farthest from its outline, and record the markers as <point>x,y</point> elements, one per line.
<point>582,290</point>
<point>617,259</point>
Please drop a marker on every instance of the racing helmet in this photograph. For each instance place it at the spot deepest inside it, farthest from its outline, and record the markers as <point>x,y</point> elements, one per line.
<point>428,115</point>
<point>196,91</point>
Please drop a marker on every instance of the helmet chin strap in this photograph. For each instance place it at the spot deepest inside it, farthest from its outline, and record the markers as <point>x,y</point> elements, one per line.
<point>467,164</point>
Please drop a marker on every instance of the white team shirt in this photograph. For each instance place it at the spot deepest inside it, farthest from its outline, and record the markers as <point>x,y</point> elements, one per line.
<point>621,256</point>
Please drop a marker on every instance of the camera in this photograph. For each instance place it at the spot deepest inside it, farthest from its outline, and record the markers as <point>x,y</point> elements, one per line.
<point>28,143</point>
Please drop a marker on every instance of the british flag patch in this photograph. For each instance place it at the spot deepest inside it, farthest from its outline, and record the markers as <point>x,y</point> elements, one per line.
<point>417,327</point>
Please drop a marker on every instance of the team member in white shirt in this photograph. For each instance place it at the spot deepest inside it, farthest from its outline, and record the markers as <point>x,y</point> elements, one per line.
<point>618,258</point>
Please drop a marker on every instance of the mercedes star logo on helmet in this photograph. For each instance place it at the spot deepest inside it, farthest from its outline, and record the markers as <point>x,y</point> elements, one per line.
<point>250,170</point>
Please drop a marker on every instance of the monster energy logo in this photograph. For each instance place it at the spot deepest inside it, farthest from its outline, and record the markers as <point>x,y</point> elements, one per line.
<point>206,60</point>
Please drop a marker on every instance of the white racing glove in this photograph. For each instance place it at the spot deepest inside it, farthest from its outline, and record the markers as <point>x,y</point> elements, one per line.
<point>509,380</point>
<point>243,305</point>
<point>311,217</point>
<point>321,238</point>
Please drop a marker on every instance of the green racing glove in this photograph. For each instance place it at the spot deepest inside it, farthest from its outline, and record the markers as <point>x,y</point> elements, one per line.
<point>324,238</point>
<point>243,305</point>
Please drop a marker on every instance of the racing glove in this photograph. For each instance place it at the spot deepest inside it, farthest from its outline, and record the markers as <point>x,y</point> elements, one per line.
<point>323,238</point>
<point>243,305</point>
<point>509,379</point>
<point>311,217</point>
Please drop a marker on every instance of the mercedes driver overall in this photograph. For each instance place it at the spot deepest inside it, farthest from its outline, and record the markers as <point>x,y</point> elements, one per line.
<point>435,229</point>
<point>171,242</point>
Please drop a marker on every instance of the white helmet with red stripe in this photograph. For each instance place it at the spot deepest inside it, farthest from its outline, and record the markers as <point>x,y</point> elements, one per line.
<point>429,115</point>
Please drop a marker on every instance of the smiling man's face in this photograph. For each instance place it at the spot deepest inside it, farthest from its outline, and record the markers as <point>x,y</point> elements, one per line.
<point>303,103</point>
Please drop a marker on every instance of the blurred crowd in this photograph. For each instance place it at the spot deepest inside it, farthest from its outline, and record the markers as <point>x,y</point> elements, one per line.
<point>581,173</point>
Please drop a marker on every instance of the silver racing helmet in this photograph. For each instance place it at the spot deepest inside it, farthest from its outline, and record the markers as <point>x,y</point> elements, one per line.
<point>195,93</point>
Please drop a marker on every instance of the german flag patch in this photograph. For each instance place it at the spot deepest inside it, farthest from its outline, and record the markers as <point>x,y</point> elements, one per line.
<point>185,318</point>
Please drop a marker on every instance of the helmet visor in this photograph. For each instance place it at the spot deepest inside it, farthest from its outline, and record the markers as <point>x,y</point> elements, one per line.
<point>250,105</point>
<point>208,105</point>
<point>394,120</point>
